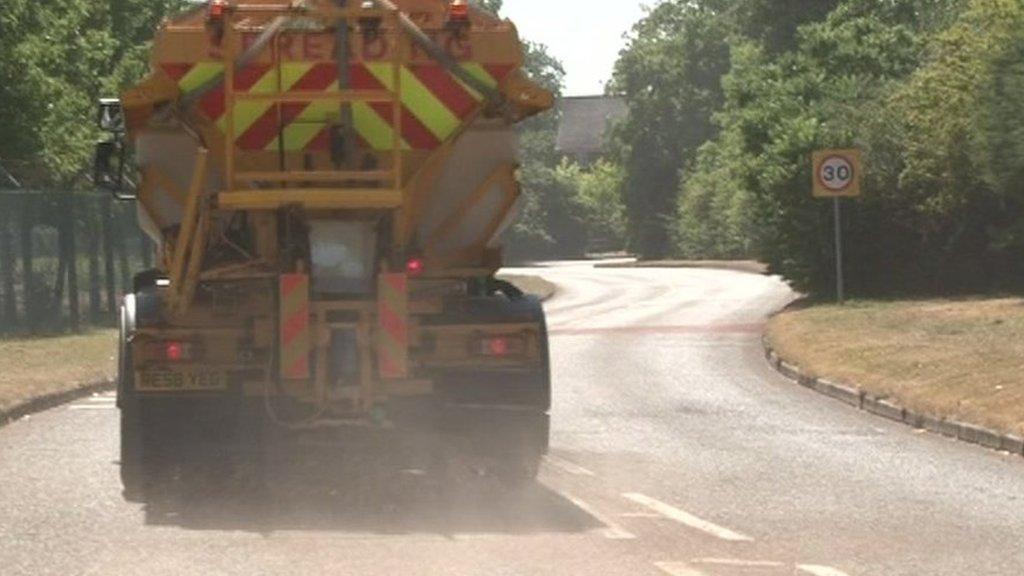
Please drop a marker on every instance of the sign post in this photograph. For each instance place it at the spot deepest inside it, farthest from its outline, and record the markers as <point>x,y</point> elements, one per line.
<point>837,175</point>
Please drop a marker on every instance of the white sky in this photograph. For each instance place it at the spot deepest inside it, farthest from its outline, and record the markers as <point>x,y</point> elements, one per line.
<point>586,35</point>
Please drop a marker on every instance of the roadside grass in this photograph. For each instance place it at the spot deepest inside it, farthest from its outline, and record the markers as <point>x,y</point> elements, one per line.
<point>961,359</point>
<point>534,285</point>
<point>35,367</point>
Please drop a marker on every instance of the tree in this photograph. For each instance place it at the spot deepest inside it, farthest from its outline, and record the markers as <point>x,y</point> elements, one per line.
<point>596,193</point>
<point>925,88</point>
<point>492,6</point>
<point>773,24</point>
<point>549,224</point>
<point>56,58</point>
<point>961,180</point>
<point>670,74</point>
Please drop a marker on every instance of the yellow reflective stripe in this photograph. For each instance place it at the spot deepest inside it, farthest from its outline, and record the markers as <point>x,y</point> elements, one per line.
<point>292,72</point>
<point>377,133</point>
<point>267,84</point>
<point>247,113</point>
<point>293,302</point>
<point>304,128</point>
<point>319,115</point>
<point>480,73</point>
<point>201,73</point>
<point>420,101</point>
<point>298,135</point>
<point>293,305</point>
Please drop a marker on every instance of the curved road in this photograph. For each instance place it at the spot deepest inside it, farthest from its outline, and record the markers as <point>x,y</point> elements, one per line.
<point>676,450</point>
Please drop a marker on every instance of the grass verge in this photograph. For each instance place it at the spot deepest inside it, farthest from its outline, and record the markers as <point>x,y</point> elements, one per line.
<point>960,359</point>
<point>38,367</point>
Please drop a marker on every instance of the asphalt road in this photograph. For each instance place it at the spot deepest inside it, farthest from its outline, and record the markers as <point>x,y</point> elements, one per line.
<point>676,450</point>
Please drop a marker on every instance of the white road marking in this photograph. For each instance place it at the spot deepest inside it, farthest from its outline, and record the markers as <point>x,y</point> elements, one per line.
<point>687,519</point>
<point>820,570</point>
<point>639,515</point>
<point>101,399</point>
<point>738,562</point>
<point>678,569</point>
<point>92,407</point>
<point>567,466</point>
<point>611,530</point>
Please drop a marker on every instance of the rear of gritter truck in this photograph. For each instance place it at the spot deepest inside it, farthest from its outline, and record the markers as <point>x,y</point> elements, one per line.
<point>327,183</point>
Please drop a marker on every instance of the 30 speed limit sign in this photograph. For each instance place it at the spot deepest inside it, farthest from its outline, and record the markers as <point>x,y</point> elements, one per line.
<point>837,173</point>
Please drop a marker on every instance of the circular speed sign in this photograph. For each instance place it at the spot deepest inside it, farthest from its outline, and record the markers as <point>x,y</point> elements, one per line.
<point>836,173</point>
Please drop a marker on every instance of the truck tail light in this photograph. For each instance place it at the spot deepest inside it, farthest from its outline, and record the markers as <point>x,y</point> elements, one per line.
<point>414,266</point>
<point>171,351</point>
<point>501,346</point>
<point>215,17</point>
<point>216,8</point>
<point>458,11</point>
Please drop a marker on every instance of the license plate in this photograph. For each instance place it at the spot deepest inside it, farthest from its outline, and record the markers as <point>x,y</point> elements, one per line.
<point>186,380</point>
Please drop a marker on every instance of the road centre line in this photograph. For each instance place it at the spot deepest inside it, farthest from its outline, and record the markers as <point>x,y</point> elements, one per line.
<point>738,562</point>
<point>567,466</point>
<point>678,569</point>
<point>687,519</point>
<point>639,515</point>
<point>815,570</point>
<point>611,530</point>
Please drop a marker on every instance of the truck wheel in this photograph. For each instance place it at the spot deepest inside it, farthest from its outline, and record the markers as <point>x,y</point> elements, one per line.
<point>509,443</point>
<point>134,475</point>
<point>132,457</point>
<point>519,469</point>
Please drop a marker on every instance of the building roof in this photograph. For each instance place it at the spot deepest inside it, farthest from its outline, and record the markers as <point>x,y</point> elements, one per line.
<point>585,121</point>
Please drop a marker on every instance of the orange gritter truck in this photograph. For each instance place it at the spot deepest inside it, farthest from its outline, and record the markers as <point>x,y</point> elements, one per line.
<point>327,183</point>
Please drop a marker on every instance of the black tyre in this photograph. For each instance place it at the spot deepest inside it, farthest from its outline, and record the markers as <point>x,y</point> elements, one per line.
<point>502,414</point>
<point>519,468</point>
<point>134,473</point>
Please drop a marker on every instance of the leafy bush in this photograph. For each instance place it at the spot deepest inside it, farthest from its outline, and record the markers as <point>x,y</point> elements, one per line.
<point>928,89</point>
<point>596,195</point>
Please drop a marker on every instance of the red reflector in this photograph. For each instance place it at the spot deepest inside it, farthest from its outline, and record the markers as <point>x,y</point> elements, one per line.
<point>498,346</point>
<point>170,351</point>
<point>502,346</point>
<point>174,351</point>
<point>216,11</point>
<point>459,10</point>
<point>414,267</point>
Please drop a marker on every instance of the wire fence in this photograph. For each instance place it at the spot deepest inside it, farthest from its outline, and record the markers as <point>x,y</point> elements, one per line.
<point>66,259</point>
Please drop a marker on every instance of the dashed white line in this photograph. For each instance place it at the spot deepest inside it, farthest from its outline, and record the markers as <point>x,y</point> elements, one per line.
<point>639,515</point>
<point>815,570</point>
<point>110,406</point>
<point>687,519</point>
<point>738,562</point>
<point>678,569</point>
<point>611,530</point>
<point>567,466</point>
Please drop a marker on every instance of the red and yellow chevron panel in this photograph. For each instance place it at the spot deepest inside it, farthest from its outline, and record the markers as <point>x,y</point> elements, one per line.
<point>393,328</point>
<point>434,103</point>
<point>295,333</point>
